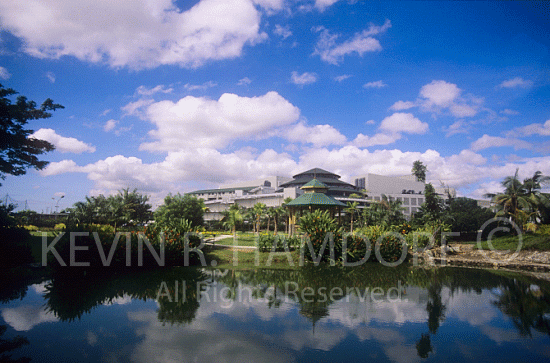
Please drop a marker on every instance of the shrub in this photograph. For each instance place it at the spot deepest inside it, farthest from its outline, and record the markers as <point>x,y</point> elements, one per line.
<point>60,227</point>
<point>266,242</point>
<point>31,228</point>
<point>544,229</point>
<point>88,252</point>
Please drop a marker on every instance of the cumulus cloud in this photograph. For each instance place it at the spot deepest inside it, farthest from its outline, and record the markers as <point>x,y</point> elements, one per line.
<point>144,91</point>
<point>402,105</point>
<point>62,144</point>
<point>50,76</point>
<point>517,82</point>
<point>321,5</point>
<point>378,139</point>
<point>404,122</point>
<point>532,129</point>
<point>109,125</point>
<point>303,79</point>
<point>202,87</point>
<point>318,135</point>
<point>4,74</point>
<point>221,121</point>
<point>333,53</point>
<point>282,31</point>
<point>377,84</point>
<point>487,141</point>
<point>136,108</point>
<point>137,34</point>
<point>341,78</point>
<point>440,95</point>
<point>457,127</point>
<point>244,81</point>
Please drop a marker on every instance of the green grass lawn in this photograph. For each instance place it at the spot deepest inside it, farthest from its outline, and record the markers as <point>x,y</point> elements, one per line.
<point>246,260</point>
<point>530,242</point>
<point>243,239</point>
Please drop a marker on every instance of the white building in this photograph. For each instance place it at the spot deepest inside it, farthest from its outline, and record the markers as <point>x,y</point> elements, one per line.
<point>405,189</point>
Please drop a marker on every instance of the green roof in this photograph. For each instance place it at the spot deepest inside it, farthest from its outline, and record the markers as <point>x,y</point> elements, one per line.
<point>314,184</point>
<point>315,199</point>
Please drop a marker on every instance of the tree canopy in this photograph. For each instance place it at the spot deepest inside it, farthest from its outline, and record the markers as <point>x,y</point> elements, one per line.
<point>181,206</point>
<point>18,151</point>
<point>419,171</point>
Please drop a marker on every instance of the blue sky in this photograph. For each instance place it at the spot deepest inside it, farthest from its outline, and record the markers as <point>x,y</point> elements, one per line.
<point>168,96</point>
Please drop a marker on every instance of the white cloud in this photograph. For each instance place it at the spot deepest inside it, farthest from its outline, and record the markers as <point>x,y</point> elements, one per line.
<point>202,87</point>
<point>137,34</point>
<point>105,112</point>
<point>221,121</point>
<point>341,78</point>
<point>378,139</point>
<point>136,108</point>
<point>516,82</point>
<point>318,135</point>
<point>25,317</point>
<point>532,129</point>
<point>4,74</point>
<point>282,31</point>
<point>509,112</point>
<point>304,78</point>
<point>63,144</point>
<point>244,81</point>
<point>144,91</point>
<point>109,125</point>
<point>457,127</point>
<point>321,5</point>
<point>361,43</point>
<point>404,122</point>
<point>440,93</point>
<point>487,141</point>
<point>377,84</point>
<point>402,105</point>
<point>50,76</point>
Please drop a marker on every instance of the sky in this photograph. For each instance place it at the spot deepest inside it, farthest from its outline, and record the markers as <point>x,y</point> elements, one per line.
<point>172,96</point>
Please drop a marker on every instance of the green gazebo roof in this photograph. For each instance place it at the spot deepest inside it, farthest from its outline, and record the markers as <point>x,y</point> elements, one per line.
<point>315,184</point>
<point>315,199</point>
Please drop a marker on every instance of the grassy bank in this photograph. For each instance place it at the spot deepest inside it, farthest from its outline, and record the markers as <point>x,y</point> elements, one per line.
<point>530,242</point>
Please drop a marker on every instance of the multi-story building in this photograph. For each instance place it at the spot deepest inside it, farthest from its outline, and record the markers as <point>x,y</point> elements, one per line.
<point>273,190</point>
<point>405,189</point>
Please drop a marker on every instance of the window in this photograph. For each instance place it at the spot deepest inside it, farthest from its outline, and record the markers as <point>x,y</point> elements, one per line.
<point>399,199</point>
<point>420,201</point>
<point>406,201</point>
<point>413,201</point>
<point>414,210</point>
<point>406,210</point>
<point>377,199</point>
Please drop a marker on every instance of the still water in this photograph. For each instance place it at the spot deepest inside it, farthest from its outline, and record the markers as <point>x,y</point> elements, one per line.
<point>314,314</point>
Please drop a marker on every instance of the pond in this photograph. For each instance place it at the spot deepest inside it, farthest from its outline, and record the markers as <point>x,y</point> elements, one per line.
<point>315,314</point>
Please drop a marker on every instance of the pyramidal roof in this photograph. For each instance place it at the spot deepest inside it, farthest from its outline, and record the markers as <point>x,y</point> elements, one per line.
<point>314,184</point>
<point>315,172</point>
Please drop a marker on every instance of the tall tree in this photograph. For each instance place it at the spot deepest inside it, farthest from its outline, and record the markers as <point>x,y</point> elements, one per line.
<point>258,209</point>
<point>419,170</point>
<point>181,206</point>
<point>232,218</point>
<point>352,209</point>
<point>18,151</point>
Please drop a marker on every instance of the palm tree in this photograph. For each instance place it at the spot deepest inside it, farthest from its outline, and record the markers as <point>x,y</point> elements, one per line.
<point>540,202</point>
<point>419,171</point>
<point>515,203</point>
<point>258,210</point>
<point>352,209</point>
<point>232,217</point>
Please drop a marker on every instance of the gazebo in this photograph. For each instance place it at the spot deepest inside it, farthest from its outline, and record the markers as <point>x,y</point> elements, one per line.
<point>314,197</point>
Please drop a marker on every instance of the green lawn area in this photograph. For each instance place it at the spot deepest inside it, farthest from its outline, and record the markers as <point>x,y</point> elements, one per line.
<point>243,239</point>
<point>529,242</point>
<point>246,260</point>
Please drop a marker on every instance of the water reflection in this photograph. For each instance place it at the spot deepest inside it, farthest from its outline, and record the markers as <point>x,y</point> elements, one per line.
<point>323,314</point>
